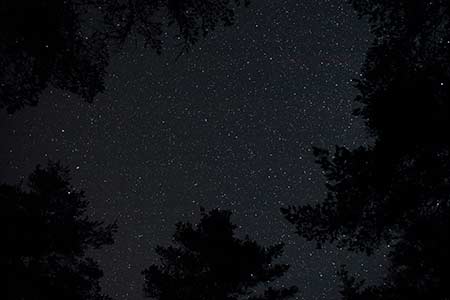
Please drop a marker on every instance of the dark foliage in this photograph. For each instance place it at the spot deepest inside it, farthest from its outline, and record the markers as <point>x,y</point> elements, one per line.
<point>42,44</point>
<point>395,192</point>
<point>46,235</point>
<point>405,81</point>
<point>209,262</point>
<point>374,196</point>
<point>66,44</point>
<point>418,269</point>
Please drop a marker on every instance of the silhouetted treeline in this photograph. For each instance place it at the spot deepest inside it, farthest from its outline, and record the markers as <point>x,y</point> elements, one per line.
<point>393,192</point>
<point>66,44</point>
<point>396,191</point>
<point>46,235</point>
<point>209,262</point>
<point>405,81</point>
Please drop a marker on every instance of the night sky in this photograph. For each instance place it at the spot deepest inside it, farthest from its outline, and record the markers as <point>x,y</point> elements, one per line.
<point>229,125</point>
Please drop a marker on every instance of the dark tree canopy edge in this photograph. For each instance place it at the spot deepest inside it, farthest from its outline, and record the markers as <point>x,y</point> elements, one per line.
<point>67,44</point>
<point>207,261</point>
<point>394,192</point>
<point>46,237</point>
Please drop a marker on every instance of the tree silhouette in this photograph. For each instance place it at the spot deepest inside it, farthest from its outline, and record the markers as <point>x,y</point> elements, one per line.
<point>209,262</point>
<point>418,267</point>
<point>372,197</point>
<point>46,237</point>
<point>405,79</point>
<point>395,191</point>
<point>66,44</point>
<point>42,43</point>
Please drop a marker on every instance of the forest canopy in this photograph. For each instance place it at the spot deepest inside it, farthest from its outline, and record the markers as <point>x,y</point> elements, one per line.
<point>47,237</point>
<point>68,44</point>
<point>395,191</point>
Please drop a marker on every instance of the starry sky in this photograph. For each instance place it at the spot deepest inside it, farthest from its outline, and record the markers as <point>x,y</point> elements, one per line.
<point>230,124</point>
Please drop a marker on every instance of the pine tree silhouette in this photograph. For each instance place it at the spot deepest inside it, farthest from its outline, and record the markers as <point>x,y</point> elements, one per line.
<point>395,191</point>
<point>46,236</point>
<point>67,44</point>
<point>208,262</point>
